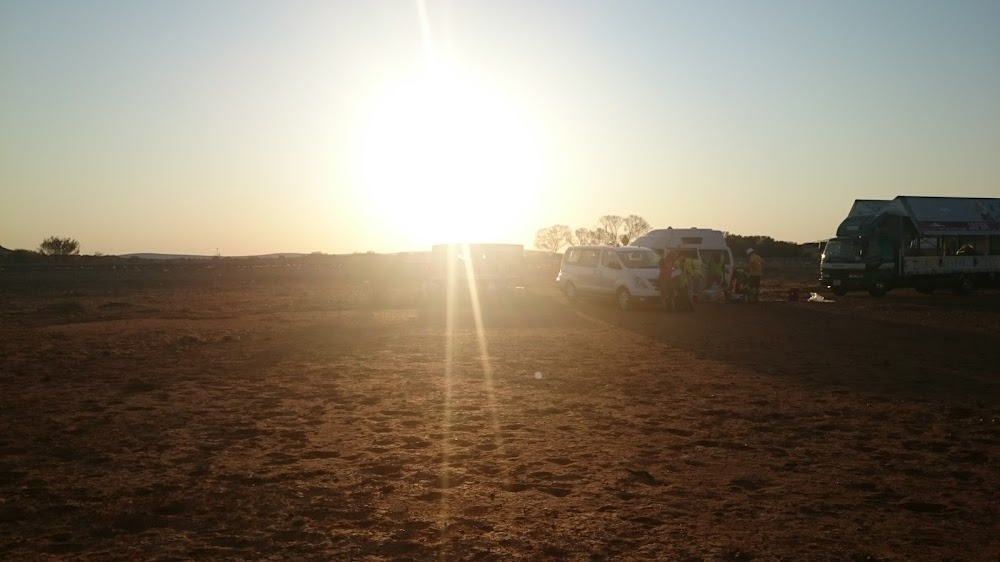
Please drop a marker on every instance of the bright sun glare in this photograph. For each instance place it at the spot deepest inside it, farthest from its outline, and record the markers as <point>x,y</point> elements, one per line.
<point>445,160</point>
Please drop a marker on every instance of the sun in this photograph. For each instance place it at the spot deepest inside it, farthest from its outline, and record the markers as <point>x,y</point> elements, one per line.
<point>446,160</point>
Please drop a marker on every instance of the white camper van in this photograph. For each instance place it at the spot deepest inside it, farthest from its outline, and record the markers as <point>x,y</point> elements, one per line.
<point>707,243</point>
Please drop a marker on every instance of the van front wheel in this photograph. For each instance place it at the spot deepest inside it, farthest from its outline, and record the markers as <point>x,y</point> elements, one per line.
<point>624,299</point>
<point>570,291</point>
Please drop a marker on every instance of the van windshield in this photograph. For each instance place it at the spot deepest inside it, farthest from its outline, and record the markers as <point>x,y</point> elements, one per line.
<point>638,259</point>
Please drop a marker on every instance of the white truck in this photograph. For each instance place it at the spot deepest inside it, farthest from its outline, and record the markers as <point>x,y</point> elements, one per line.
<point>492,269</point>
<point>926,243</point>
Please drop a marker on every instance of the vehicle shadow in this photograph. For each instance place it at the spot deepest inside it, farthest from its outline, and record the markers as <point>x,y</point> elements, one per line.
<point>813,344</point>
<point>983,301</point>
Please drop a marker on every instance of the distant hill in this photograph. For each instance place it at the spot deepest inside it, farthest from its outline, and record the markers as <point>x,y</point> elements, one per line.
<point>5,251</point>
<point>280,255</point>
<point>154,256</point>
<point>151,256</point>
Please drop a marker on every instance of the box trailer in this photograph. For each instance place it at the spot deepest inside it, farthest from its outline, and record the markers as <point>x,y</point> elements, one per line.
<point>927,243</point>
<point>457,269</point>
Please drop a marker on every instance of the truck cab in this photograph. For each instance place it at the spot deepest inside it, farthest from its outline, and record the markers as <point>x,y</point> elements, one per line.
<point>853,263</point>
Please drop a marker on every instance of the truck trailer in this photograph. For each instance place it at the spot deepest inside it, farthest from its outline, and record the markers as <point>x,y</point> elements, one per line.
<point>927,243</point>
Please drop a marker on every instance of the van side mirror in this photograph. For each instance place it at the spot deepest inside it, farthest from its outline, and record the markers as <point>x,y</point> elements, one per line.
<point>615,265</point>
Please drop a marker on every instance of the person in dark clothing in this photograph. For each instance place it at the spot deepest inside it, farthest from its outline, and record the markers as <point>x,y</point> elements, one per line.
<point>682,285</point>
<point>666,282</point>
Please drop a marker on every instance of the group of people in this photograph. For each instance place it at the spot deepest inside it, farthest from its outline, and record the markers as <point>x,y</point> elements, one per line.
<point>682,279</point>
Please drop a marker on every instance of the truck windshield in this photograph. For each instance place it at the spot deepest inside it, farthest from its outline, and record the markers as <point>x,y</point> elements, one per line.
<point>636,259</point>
<point>843,250</point>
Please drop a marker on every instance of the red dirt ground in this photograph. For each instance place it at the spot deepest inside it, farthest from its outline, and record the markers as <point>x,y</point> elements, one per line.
<point>269,415</point>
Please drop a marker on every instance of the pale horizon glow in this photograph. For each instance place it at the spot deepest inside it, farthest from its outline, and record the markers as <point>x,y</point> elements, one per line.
<point>256,128</point>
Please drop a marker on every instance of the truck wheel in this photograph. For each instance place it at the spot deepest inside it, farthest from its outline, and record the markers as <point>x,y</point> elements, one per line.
<point>839,291</point>
<point>624,299</point>
<point>965,285</point>
<point>878,288</point>
<point>570,291</point>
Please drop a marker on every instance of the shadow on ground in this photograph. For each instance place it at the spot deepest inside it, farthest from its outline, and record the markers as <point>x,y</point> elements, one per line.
<point>868,345</point>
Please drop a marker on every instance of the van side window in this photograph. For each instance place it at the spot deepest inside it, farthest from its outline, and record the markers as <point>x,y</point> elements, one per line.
<point>573,256</point>
<point>610,259</point>
<point>589,258</point>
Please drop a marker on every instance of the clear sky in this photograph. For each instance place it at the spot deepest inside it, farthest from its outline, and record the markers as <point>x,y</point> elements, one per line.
<point>186,126</point>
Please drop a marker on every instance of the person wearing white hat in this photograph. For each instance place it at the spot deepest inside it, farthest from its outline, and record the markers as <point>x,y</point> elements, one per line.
<point>756,270</point>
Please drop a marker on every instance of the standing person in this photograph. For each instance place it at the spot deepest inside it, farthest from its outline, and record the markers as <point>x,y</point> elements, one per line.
<point>756,270</point>
<point>716,277</point>
<point>667,282</point>
<point>697,281</point>
<point>682,285</point>
<point>738,286</point>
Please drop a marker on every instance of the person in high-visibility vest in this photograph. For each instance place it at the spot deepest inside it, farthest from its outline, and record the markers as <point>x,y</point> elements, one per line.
<point>696,277</point>
<point>682,284</point>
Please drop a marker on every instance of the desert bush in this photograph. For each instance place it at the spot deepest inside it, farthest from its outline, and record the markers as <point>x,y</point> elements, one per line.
<point>56,246</point>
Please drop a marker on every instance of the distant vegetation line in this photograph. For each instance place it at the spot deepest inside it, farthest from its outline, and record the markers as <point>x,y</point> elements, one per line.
<point>550,239</point>
<point>617,230</point>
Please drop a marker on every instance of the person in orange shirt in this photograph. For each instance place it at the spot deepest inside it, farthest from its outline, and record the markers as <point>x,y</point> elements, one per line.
<point>756,270</point>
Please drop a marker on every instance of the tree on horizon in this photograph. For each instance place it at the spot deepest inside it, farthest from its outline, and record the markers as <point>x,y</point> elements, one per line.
<point>553,238</point>
<point>611,230</point>
<point>57,246</point>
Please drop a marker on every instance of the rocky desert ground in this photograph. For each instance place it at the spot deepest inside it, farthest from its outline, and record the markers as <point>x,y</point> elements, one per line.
<point>276,412</point>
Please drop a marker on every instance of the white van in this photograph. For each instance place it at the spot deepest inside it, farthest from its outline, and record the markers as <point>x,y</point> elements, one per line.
<point>708,244</point>
<point>627,273</point>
